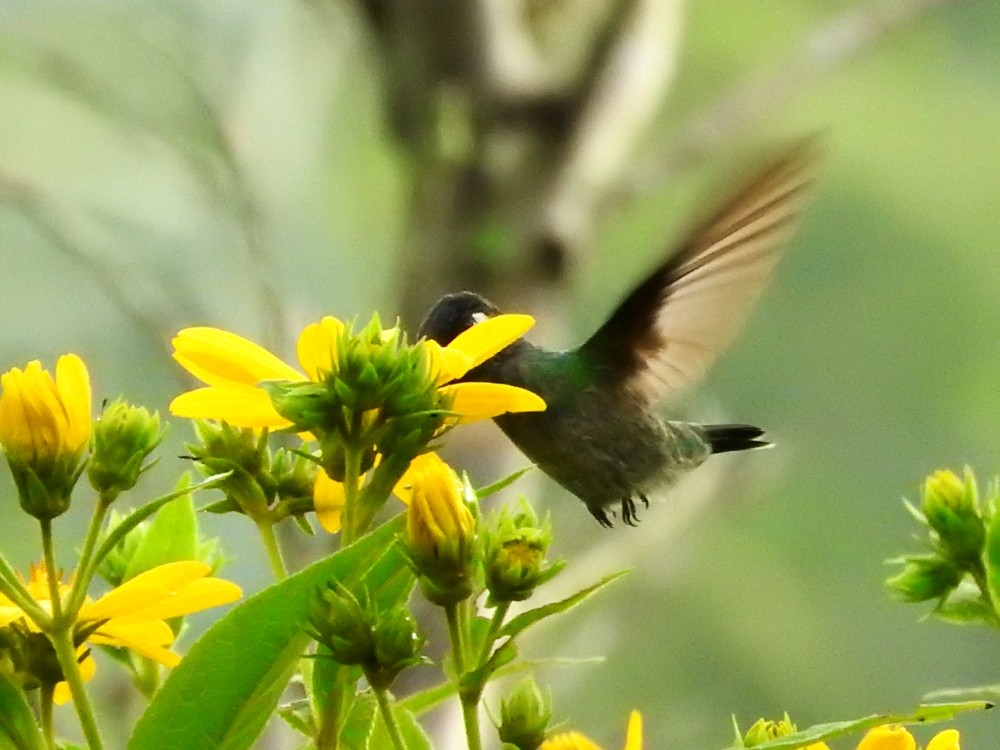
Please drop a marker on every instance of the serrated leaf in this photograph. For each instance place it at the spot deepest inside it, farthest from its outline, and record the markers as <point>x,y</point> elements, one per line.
<point>172,535</point>
<point>299,717</point>
<point>18,730</point>
<point>225,690</point>
<point>924,714</point>
<point>532,616</point>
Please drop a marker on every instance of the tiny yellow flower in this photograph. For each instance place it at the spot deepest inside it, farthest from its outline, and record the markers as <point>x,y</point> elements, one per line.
<point>45,427</point>
<point>576,741</point>
<point>946,740</point>
<point>133,615</point>
<point>898,738</point>
<point>233,369</point>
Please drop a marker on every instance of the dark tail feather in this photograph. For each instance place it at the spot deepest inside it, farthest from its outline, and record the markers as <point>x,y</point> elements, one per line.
<point>734,437</point>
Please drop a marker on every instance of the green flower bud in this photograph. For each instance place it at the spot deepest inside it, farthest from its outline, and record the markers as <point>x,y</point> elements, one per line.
<point>251,487</point>
<point>45,428</point>
<point>356,631</point>
<point>525,715</point>
<point>924,577</point>
<point>123,436</point>
<point>951,507</point>
<point>765,730</point>
<point>514,550</point>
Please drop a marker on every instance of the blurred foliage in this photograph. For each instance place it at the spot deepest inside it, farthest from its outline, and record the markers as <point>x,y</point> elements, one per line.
<point>179,163</point>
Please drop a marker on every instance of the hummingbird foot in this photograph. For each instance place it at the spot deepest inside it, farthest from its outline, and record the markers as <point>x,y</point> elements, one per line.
<point>601,516</point>
<point>628,509</point>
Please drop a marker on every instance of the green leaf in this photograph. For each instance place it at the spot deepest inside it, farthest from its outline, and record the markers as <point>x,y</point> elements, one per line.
<point>225,690</point>
<point>172,535</point>
<point>529,618</point>
<point>965,606</point>
<point>298,716</point>
<point>924,714</point>
<point>357,730</point>
<point>991,558</point>
<point>414,736</point>
<point>18,730</point>
<point>502,483</point>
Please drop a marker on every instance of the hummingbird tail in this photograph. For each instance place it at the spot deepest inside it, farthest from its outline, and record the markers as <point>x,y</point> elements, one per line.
<point>724,438</point>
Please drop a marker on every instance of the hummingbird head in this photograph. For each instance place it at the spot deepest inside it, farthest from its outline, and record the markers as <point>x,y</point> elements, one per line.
<point>453,314</point>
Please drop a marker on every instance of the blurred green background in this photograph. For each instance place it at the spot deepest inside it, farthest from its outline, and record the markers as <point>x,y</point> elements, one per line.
<point>232,164</point>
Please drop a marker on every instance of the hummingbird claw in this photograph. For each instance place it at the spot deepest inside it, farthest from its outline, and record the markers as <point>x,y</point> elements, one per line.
<point>601,516</point>
<point>628,511</point>
<point>645,500</point>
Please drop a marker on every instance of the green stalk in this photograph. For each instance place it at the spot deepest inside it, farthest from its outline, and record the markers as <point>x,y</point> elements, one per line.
<point>352,496</point>
<point>332,717</point>
<point>50,569</point>
<point>45,716</point>
<point>390,719</point>
<point>470,706</point>
<point>87,565</point>
<point>496,622</point>
<point>274,558</point>
<point>62,642</point>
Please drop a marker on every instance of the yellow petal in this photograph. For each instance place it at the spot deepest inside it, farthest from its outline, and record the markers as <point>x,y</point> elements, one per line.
<point>240,406</point>
<point>483,340</point>
<point>218,357</point>
<point>145,589</point>
<point>633,735</point>
<point>328,502</point>
<point>568,741</point>
<point>317,347</point>
<point>474,401</point>
<point>887,738</point>
<point>946,740</point>
<point>445,363</point>
<point>73,383</point>
<point>143,638</point>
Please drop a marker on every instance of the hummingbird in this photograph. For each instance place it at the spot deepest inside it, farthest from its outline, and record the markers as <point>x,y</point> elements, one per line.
<point>602,436</point>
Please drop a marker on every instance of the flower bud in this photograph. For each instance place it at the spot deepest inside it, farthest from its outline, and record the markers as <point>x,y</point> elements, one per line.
<point>44,431</point>
<point>525,715</point>
<point>440,531</point>
<point>123,436</point>
<point>764,730</point>
<point>356,631</point>
<point>250,488</point>
<point>951,507</point>
<point>924,577</point>
<point>515,545</point>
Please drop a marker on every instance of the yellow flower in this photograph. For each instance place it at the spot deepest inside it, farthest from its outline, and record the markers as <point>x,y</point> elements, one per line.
<point>234,368</point>
<point>897,738</point>
<point>576,741</point>
<point>328,501</point>
<point>133,615</point>
<point>44,430</point>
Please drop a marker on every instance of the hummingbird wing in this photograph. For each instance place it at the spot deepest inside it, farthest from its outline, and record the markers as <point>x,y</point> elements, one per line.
<point>667,333</point>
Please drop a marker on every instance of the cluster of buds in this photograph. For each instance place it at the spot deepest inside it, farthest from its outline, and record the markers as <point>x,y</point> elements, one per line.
<point>514,546</point>
<point>765,730</point>
<point>375,395</point>
<point>356,631</point>
<point>263,486</point>
<point>959,526</point>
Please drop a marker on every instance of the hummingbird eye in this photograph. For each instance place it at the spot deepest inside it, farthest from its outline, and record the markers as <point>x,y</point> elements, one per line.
<point>479,317</point>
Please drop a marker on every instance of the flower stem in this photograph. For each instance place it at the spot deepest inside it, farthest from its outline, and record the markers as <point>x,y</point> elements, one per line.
<point>270,541</point>
<point>51,574</point>
<point>470,704</point>
<point>86,566</point>
<point>62,642</point>
<point>45,716</point>
<point>352,496</point>
<point>496,622</point>
<point>390,719</point>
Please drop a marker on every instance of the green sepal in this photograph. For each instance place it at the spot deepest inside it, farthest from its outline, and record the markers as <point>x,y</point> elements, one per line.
<point>529,618</point>
<point>225,505</point>
<point>501,484</point>
<point>18,730</point>
<point>244,661</point>
<point>965,606</point>
<point>924,714</point>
